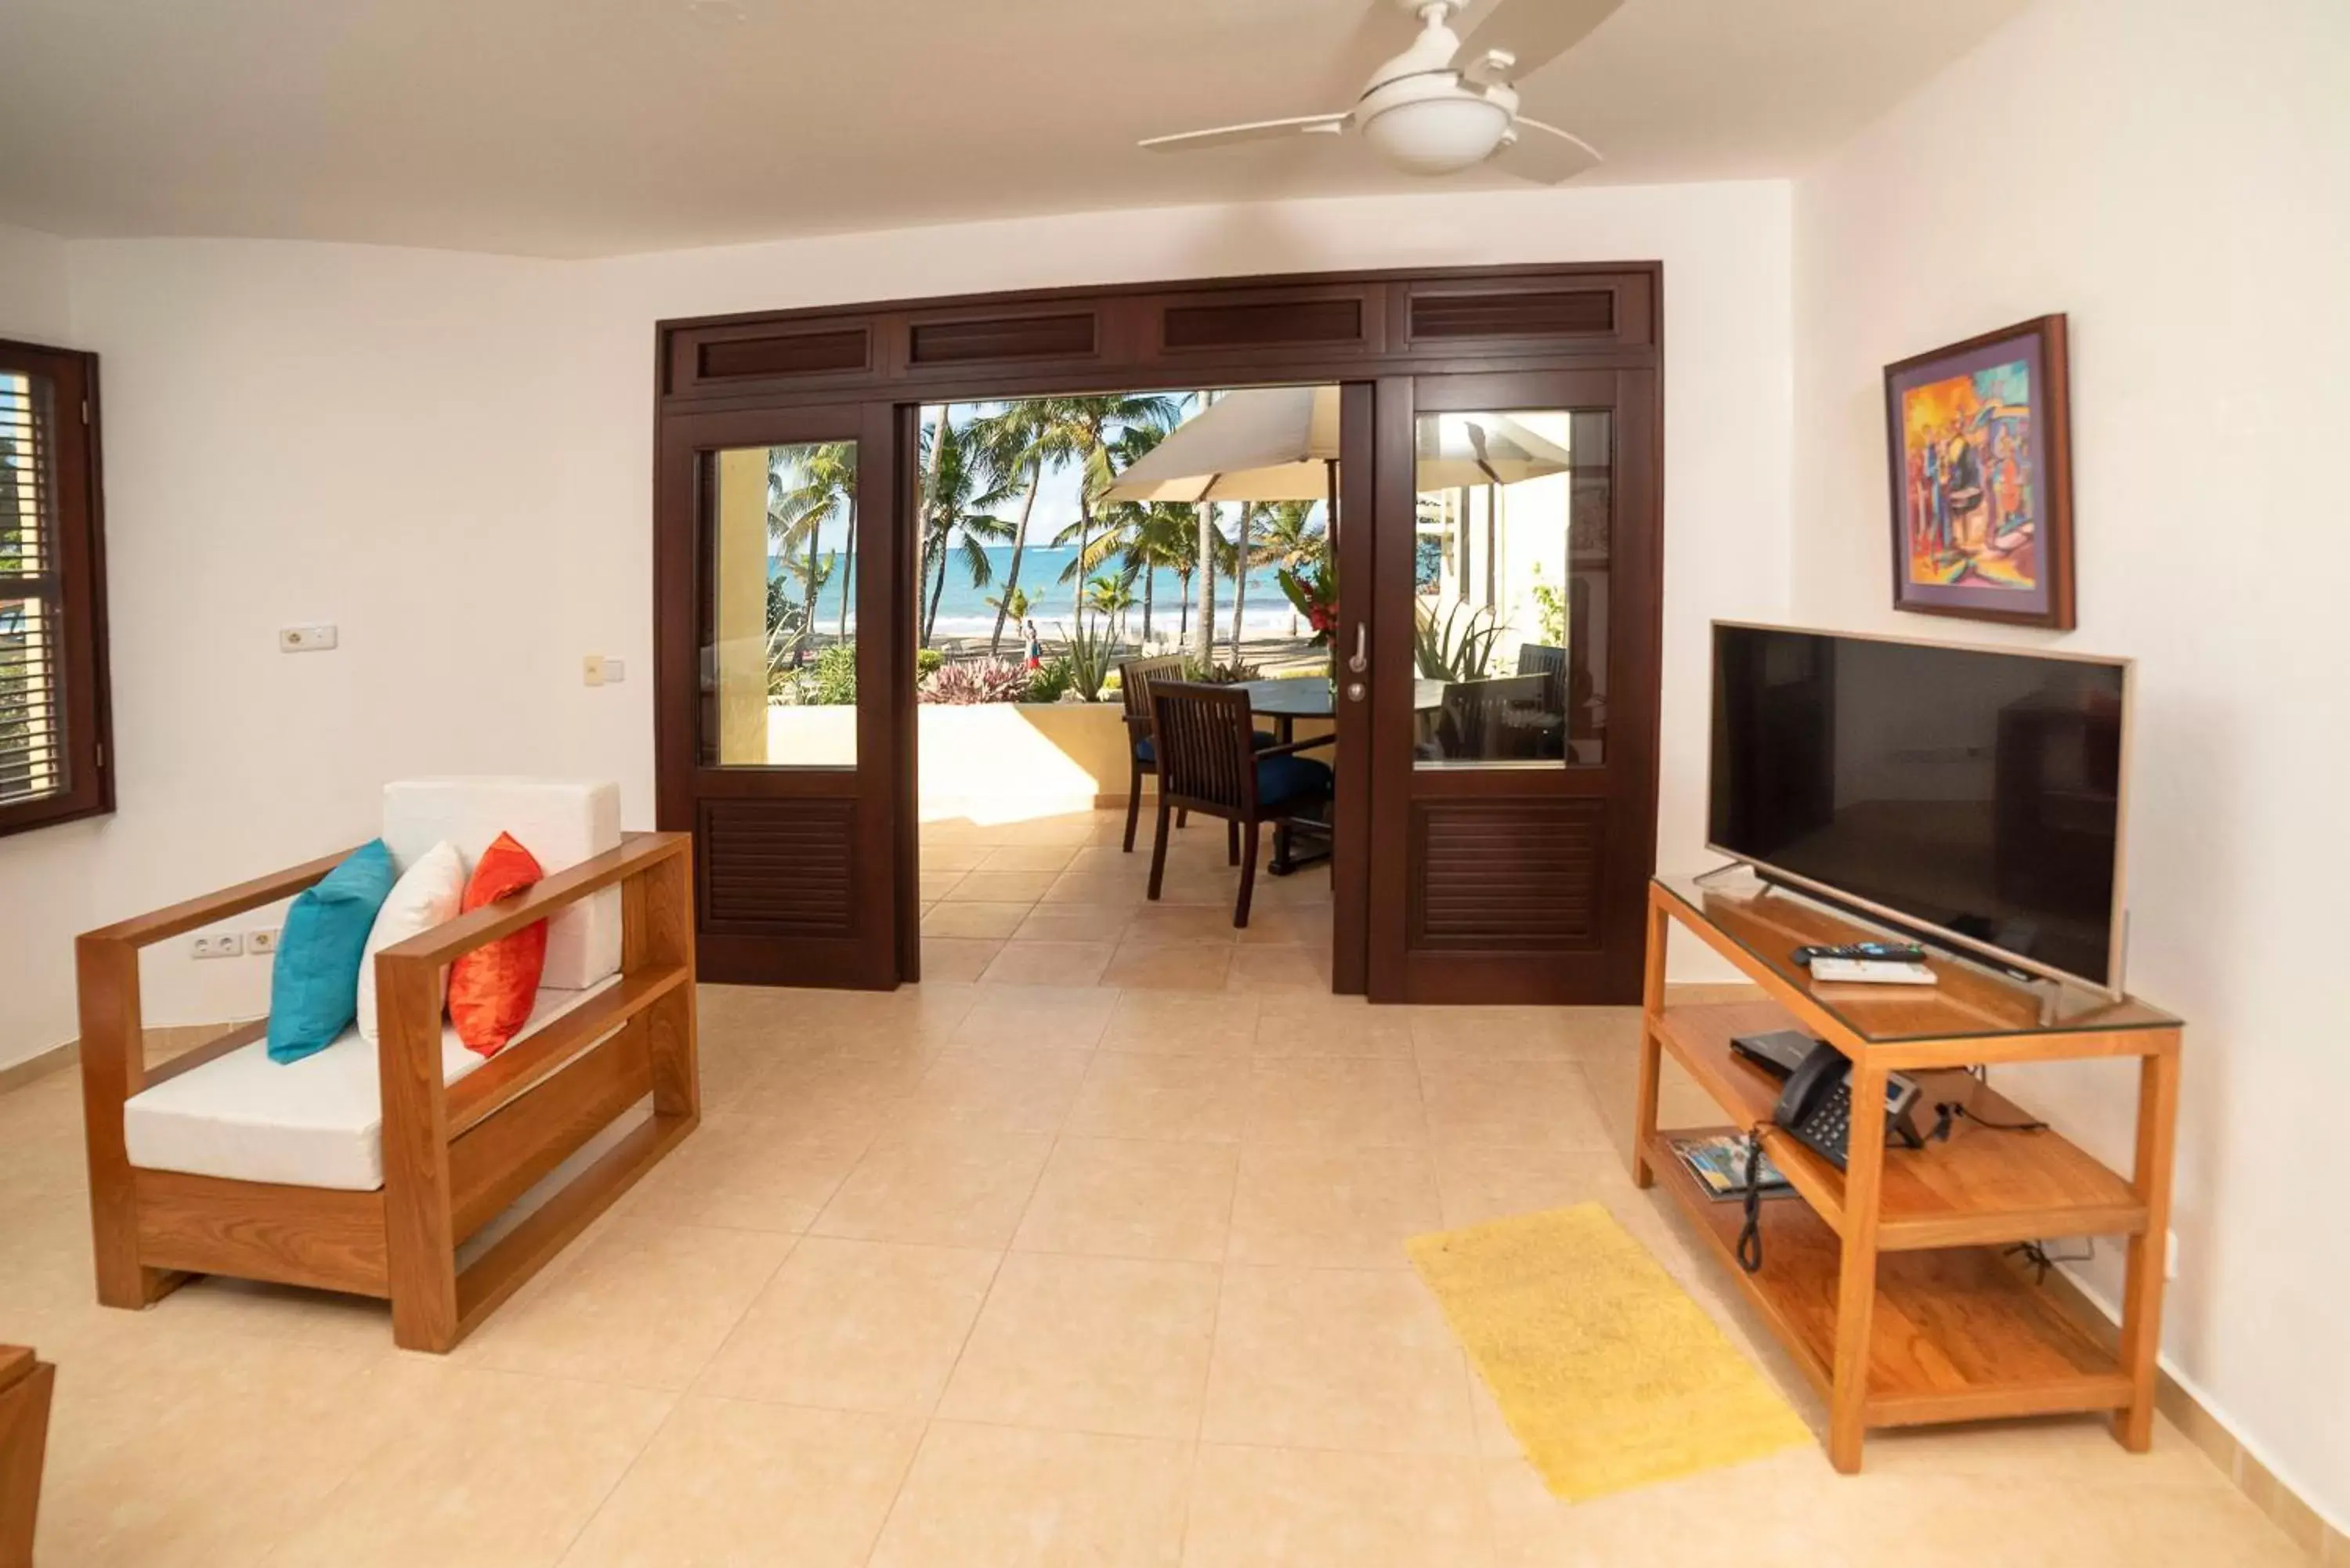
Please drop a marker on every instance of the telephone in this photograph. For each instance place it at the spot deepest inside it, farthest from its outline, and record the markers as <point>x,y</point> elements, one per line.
<point>1816,1108</point>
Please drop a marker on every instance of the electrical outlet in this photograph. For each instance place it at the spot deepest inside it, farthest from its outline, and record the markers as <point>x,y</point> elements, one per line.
<point>2170,1255</point>
<point>316,639</point>
<point>224,944</point>
<point>264,940</point>
<point>591,669</point>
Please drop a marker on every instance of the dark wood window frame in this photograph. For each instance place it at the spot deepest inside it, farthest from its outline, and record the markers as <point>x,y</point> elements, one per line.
<point>65,573</point>
<point>1353,329</point>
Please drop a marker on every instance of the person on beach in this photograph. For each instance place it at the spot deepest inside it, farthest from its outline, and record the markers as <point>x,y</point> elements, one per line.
<point>1036,648</point>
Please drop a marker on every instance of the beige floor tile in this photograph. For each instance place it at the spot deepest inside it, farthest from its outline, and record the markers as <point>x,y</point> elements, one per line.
<point>1110,858</point>
<point>1038,1017</point>
<point>1264,970</point>
<point>1000,1497</point>
<point>496,1469</point>
<point>743,1173</point>
<point>1186,1099</point>
<point>1299,1024</point>
<point>1479,1183</point>
<point>982,921</point>
<point>946,858</point>
<point>1048,964</point>
<point>995,1090</point>
<point>1181,1023</point>
<point>1001,887</point>
<point>1111,890</point>
<point>960,1189</point>
<point>1072,923</point>
<point>1054,858</point>
<point>1273,1508</point>
<point>935,884</point>
<point>1307,926</point>
<point>1494,1034</point>
<point>1166,925</point>
<point>1346,1208</point>
<point>1127,1198</point>
<point>1070,829</point>
<point>1540,1104</point>
<point>835,1100</point>
<point>956,958</point>
<point>1335,1358</point>
<point>1092,1344</point>
<point>726,1482</point>
<point>855,1326</point>
<point>640,1304</point>
<point>1143,966</point>
<point>1208,890</point>
<point>1337,1102</point>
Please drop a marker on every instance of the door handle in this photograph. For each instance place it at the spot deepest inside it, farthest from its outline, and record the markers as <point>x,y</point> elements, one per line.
<point>1362,659</point>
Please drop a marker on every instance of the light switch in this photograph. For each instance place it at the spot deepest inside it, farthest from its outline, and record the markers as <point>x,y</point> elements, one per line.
<point>615,671</point>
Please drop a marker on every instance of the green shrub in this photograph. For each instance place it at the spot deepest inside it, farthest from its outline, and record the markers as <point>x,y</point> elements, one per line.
<point>831,680</point>
<point>928,661</point>
<point>1048,680</point>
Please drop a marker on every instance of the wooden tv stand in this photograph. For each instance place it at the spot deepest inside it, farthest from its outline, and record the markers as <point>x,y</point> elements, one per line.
<point>1886,1282</point>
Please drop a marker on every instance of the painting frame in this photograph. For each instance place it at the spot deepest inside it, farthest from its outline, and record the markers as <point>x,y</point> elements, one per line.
<point>2004,551</point>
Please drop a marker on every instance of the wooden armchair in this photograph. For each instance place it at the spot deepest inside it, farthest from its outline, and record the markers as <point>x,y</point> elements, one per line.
<point>25,1384</point>
<point>1209,762</point>
<point>454,1154</point>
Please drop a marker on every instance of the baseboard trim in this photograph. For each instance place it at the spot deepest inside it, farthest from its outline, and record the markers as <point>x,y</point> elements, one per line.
<point>39,1065</point>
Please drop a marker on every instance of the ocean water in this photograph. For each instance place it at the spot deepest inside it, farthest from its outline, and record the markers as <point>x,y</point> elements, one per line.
<point>963,610</point>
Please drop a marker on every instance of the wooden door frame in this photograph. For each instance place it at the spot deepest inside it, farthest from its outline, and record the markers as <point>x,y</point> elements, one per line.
<point>1349,328</point>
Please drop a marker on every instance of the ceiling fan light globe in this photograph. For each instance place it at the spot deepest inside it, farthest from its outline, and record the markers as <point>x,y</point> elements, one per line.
<point>1438,135</point>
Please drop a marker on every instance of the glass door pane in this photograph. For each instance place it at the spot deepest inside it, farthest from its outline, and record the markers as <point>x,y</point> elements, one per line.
<point>779,609</point>
<point>1510,589</point>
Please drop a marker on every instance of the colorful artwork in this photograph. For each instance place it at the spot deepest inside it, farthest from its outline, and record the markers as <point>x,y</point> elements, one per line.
<point>1977,439</point>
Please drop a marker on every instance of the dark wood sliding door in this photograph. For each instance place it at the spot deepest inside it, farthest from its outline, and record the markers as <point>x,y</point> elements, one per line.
<point>1513,765</point>
<point>780,647</point>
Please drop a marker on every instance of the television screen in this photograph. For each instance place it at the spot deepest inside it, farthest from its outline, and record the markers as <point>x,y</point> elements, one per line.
<point>1969,795</point>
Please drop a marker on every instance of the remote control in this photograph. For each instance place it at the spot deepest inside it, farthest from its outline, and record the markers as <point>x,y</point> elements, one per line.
<point>1865,952</point>
<point>1871,970</point>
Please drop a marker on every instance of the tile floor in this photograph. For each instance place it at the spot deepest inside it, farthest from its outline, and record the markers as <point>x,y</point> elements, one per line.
<point>1085,1252</point>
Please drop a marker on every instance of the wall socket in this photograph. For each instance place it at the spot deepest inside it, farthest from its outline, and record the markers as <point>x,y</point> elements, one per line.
<point>264,940</point>
<point>224,944</point>
<point>594,669</point>
<point>314,638</point>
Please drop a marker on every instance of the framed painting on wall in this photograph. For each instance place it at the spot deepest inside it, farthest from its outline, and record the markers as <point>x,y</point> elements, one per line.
<point>1980,438</point>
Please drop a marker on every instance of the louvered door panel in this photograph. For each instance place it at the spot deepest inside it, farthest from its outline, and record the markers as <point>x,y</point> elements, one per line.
<point>779,868</point>
<point>1507,876</point>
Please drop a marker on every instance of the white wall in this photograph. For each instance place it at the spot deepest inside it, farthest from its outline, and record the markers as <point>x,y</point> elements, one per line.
<point>2172,174</point>
<point>450,456</point>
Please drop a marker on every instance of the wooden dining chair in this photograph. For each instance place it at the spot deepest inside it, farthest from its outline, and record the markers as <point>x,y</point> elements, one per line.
<point>1135,677</point>
<point>1494,719</point>
<point>1209,762</point>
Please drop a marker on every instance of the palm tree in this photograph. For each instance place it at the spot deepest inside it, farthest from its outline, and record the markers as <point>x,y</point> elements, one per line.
<point>1088,426</point>
<point>1160,538</point>
<point>1112,597</point>
<point>963,484</point>
<point>806,485</point>
<point>1292,539</point>
<point>1242,556</point>
<point>1020,439</point>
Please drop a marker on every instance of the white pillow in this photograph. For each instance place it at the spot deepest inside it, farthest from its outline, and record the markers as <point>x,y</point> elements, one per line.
<point>427,894</point>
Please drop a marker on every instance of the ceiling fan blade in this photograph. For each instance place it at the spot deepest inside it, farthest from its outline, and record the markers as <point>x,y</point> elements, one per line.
<point>1545,154</point>
<point>1257,131</point>
<point>1535,31</point>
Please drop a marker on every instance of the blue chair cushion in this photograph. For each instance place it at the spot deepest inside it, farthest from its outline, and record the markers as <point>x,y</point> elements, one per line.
<point>314,985</point>
<point>1286,777</point>
<point>1142,748</point>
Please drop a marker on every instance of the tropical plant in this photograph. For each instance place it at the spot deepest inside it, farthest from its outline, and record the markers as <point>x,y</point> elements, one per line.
<point>1049,681</point>
<point>829,683</point>
<point>964,484</point>
<point>1452,649</point>
<point>1293,538</point>
<point>1550,610</point>
<point>975,681</point>
<point>1110,597</point>
<point>1020,438</point>
<point>1312,591</point>
<point>928,661</point>
<point>807,487</point>
<point>1216,674</point>
<point>1089,426</point>
<point>1090,654</point>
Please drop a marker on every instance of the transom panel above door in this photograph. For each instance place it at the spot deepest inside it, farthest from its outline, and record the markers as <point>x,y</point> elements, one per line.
<point>780,636</point>
<point>1513,686</point>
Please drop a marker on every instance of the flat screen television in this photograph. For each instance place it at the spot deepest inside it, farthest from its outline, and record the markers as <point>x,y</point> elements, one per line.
<point>1973,797</point>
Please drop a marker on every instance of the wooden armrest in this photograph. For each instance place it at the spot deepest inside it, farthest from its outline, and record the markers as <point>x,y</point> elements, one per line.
<point>447,942</point>
<point>145,930</point>
<point>17,1362</point>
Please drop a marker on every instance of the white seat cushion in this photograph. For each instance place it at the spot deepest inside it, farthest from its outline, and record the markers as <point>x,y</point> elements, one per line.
<point>560,821</point>
<point>317,1122</point>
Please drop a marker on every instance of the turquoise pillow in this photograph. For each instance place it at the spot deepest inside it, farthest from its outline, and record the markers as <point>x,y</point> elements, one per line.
<point>314,988</point>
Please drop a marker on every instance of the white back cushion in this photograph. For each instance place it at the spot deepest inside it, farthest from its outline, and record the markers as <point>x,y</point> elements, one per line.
<point>560,821</point>
<point>427,894</point>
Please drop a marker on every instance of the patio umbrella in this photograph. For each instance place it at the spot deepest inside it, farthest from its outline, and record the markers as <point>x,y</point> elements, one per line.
<point>1280,443</point>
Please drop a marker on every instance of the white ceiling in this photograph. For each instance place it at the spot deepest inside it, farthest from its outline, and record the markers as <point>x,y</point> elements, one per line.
<point>577,128</point>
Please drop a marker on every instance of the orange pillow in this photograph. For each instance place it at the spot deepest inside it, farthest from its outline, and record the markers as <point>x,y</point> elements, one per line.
<point>493,988</point>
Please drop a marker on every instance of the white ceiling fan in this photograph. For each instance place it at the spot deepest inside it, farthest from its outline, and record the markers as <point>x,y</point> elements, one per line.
<point>1444,105</point>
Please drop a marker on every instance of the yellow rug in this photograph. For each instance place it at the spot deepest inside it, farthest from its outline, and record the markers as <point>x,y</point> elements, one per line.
<point>1608,1374</point>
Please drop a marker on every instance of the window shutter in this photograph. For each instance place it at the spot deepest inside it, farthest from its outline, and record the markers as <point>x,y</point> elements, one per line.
<point>34,758</point>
